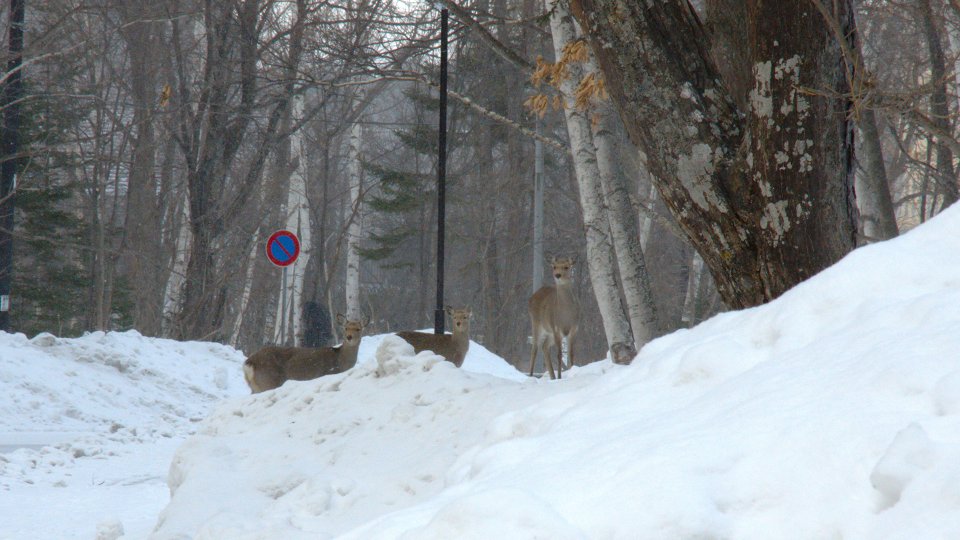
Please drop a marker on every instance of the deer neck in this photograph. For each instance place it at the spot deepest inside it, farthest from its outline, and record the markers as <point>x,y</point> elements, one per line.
<point>460,337</point>
<point>347,354</point>
<point>565,293</point>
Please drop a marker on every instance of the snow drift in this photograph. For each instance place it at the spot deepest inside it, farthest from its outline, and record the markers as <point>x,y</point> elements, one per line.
<point>833,412</point>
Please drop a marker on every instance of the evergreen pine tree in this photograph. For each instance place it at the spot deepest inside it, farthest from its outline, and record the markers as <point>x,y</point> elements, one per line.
<point>403,191</point>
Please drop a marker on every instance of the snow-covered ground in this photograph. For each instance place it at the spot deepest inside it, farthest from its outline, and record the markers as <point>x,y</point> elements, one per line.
<point>833,412</point>
<point>88,427</point>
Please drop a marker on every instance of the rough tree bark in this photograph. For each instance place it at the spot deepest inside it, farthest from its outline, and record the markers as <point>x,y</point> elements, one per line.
<point>210,137</point>
<point>764,194</point>
<point>142,258</point>
<point>939,108</point>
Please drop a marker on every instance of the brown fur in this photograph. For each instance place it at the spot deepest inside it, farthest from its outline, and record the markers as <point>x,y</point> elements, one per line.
<point>554,314</point>
<point>453,347</point>
<point>272,366</point>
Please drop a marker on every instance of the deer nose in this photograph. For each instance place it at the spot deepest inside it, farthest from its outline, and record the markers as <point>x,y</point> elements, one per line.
<point>557,276</point>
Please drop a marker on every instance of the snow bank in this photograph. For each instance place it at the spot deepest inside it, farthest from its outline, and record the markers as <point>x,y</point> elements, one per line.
<point>88,426</point>
<point>316,458</point>
<point>830,413</point>
<point>833,412</point>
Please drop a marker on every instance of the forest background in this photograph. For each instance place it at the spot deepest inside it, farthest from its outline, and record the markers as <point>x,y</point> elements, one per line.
<point>163,142</point>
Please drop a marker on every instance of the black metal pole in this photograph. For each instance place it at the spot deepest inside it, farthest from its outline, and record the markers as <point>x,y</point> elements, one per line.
<point>441,172</point>
<point>9,135</point>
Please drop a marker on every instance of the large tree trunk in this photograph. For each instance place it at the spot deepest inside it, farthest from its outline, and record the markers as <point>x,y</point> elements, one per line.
<point>142,258</point>
<point>765,195</point>
<point>939,108</point>
<point>210,140</point>
<point>600,255</point>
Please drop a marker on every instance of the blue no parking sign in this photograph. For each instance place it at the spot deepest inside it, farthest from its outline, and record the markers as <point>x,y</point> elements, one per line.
<point>283,248</point>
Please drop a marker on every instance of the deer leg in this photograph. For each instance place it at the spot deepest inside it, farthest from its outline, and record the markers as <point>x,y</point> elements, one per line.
<point>268,378</point>
<point>558,343</point>
<point>573,332</point>
<point>534,339</point>
<point>545,347</point>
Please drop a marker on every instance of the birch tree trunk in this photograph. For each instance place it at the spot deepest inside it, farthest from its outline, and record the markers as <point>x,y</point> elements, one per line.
<point>173,292</point>
<point>355,228</point>
<point>873,189</point>
<point>298,221</point>
<point>646,222</point>
<point>624,230</point>
<point>600,255</point>
<point>689,315</point>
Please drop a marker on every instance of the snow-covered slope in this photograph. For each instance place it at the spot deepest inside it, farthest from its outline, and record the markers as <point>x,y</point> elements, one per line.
<point>833,412</point>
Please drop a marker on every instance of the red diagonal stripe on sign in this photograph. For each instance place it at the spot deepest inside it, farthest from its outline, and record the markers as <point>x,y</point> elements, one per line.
<point>280,245</point>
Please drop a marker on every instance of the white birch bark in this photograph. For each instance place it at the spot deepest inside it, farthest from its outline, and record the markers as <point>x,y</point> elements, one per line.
<point>298,221</point>
<point>255,251</point>
<point>688,316</point>
<point>600,254</point>
<point>646,222</point>
<point>355,228</point>
<point>173,293</point>
<point>623,229</point>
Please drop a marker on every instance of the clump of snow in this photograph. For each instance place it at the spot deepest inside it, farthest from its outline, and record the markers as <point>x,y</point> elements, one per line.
<point>109,530</point>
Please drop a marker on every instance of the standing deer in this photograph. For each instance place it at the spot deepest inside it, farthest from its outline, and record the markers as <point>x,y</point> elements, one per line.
<point>453,347</point>
<point>272,366</point>
<point>554,314</point>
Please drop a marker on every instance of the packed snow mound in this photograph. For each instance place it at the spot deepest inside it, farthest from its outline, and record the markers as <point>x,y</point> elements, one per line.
<point>313,459</point>
<point>831,412</point>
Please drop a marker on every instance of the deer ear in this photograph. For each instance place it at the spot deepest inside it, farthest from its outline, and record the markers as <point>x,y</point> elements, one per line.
<point>341,320</point>
<point>365,321</point>
<point>448,310</point>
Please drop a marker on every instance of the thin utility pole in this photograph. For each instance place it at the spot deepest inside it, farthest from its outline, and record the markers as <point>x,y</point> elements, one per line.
<point>441,172</point>
<point>538,224</point>
<point>537,211</point>
<point>9,138</point>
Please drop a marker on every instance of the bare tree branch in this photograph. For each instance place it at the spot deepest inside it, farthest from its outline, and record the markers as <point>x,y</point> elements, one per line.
<point>498,47</point>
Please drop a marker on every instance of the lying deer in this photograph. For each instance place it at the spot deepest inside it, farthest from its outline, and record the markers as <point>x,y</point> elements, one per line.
<point>453,347</point>
<point>272,366</point>
<point>554,314</point>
